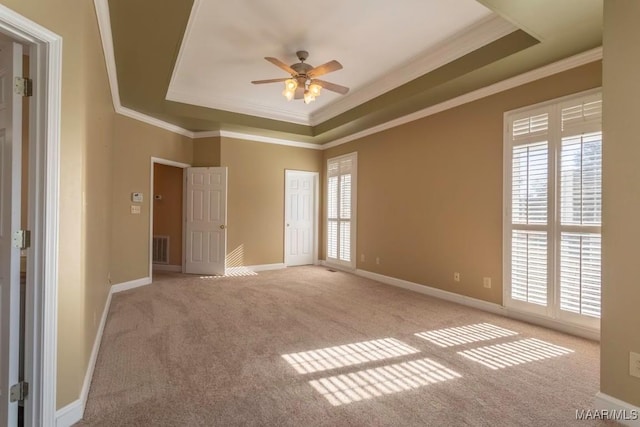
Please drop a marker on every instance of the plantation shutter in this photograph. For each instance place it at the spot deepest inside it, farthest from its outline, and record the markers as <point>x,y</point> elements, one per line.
<point>340,203</point>
<point>553,201</point>
<point>581,207</point>
<point>529,207</point>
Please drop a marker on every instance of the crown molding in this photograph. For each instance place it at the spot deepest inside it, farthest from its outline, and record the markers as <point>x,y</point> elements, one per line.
<point>233,105</point>
<point>258,138</point>
<point>133,114</point>
<point>519,80</point>
<point>480,34</point>
<point>104,23</point>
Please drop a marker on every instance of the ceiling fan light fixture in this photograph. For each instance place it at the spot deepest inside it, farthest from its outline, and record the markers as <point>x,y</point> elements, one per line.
<point>308,96</point>
<point>291,85</point>
<point>315,89</point>
<point>289,94</point>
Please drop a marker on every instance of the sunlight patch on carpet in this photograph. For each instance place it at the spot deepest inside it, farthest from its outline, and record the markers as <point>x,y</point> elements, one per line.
<point>465,334</point>
<point>514,353</point>
<point>347,355</point>
<point>370,383</point>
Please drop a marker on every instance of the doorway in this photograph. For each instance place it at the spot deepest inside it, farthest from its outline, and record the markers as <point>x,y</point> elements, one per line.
<point>166,215</point>
<point>300,218</point>
<point>39,324</point>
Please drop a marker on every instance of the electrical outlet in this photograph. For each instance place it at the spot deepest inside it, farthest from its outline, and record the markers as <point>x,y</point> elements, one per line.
<point>135,209</point>
<point>634,364</point>
<point>486,282</point>
<point>456,277</point>
<point>377,260</point>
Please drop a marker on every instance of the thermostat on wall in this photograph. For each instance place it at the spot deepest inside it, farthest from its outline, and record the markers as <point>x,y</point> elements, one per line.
<point>136,197</point>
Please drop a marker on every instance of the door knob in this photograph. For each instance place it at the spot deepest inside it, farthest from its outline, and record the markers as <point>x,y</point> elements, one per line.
<point>222,227</point>
<point>287,224</point>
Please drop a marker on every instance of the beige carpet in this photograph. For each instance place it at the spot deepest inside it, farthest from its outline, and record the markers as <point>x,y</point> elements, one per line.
<point>308,347</point>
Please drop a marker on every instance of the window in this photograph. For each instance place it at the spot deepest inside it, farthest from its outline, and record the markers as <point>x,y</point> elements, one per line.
<point>341,201</point>
<point>553,201</point>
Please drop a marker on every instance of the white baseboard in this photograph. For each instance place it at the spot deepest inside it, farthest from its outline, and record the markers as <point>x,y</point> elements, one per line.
<point>73,412</point>
<point>617,409</point>
<point>479,304</point>
<point>577,330</point>
<point>167,267</point>
<point>70,414</point>
<point>266,267</point>
<point>125,286</point>
<point>434,292</point>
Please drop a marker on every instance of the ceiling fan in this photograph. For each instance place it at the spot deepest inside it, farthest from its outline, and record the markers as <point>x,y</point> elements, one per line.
<point>303,83</point>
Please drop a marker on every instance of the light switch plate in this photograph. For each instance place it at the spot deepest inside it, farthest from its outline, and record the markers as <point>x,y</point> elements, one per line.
<point>136,197</point>
<point>135,209</point>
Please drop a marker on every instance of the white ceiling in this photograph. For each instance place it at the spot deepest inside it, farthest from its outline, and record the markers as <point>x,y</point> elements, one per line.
<point>381,44</point>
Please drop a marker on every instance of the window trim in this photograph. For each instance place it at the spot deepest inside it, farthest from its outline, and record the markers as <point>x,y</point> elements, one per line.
<point>351,265</point>
<point>552,311</point>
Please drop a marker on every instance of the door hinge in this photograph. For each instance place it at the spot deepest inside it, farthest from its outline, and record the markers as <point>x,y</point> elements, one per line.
<point>23,86</point>
<point>19,392</point>
<point>22,239</point>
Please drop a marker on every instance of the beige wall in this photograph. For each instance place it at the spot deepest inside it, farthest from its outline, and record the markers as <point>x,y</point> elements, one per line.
<point>206,151</point>
<point>255,197</point>
<point>85,180</point>
<point>430,191</point>
<point>621,204</point>
<point>134,145</point>
<point>167,211</point>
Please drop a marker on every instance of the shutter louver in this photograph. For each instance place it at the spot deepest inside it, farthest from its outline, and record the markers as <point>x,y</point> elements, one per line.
<point>580,258</point>
<point>340,201</point>
<point>529,266</point>
<point>581,180</point>
<point>530,126</point>
<point>529,189</point>
<point>332,239</point>
<point>584,116</point>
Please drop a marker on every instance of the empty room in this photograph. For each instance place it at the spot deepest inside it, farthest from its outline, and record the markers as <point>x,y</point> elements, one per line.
<point>352,213</point>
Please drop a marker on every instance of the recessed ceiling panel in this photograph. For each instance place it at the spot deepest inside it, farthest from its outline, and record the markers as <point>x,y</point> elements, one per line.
<point>381,44</point>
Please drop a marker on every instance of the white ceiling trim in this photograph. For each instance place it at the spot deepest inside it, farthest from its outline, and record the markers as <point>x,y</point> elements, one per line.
<point>480,34</point>
<point>227,104</point>
<point>104,25</point>
<point>269,140</point>
<point>257,138</point>
<point>519,80</point>
<point>102,12</point>
<point>221,103</point>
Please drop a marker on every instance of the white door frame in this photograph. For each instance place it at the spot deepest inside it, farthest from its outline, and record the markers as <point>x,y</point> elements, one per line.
<point>166,162</point>
<point>316,212</point>
<point>45,52</point>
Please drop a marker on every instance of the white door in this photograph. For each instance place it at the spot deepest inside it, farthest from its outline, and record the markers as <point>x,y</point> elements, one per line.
<point>205,220</point>
<point>300,218</point>
<point>10,162</point>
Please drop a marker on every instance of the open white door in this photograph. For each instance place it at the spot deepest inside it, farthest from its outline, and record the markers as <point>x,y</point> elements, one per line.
<point>10,162</point>
<point>205,220</point>
<point>300,218</point>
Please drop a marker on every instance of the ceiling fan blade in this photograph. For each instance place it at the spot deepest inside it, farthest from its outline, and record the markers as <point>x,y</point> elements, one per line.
<point>299,92</point>
<point>331,86</point>
<point>325,68</point>
<point>278,63</point>
<point>259,82</point>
